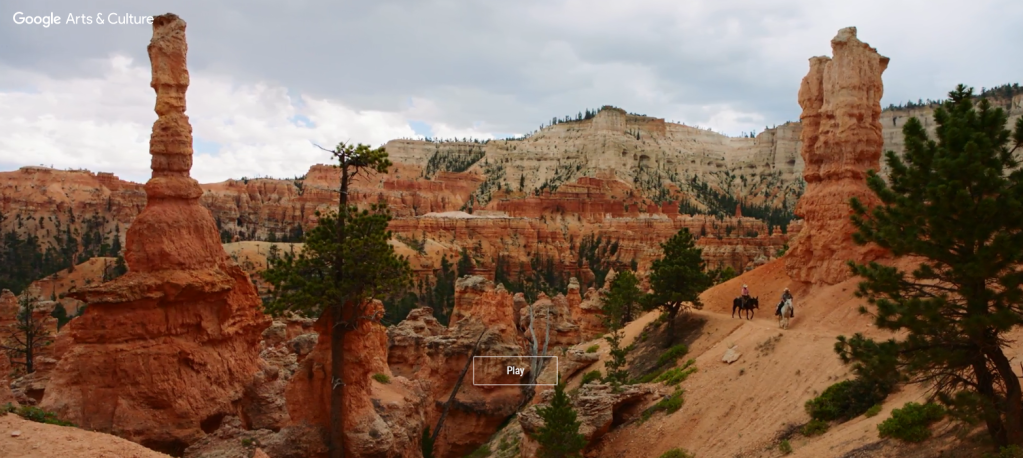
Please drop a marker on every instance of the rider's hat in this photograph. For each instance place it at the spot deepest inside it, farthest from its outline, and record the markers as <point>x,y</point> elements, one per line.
<point>743,285</point>
<point>786,289</point>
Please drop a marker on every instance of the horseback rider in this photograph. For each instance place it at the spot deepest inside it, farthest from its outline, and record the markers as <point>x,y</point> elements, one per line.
<point>786,295</point>
<point>744,297</point>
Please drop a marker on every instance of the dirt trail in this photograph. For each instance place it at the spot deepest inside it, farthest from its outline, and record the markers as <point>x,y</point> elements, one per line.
<point>38,440</point>
<point>742,409</point>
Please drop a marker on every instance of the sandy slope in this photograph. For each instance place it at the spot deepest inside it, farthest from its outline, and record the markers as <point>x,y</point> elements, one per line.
<point>38,440</point>
<point>742,409</point>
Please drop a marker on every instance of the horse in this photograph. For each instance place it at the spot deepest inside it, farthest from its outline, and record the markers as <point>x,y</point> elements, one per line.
<point>752,303</point>
<point>786,314</point>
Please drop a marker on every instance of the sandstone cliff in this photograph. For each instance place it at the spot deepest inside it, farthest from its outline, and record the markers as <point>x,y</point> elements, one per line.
<point>841,141</point>
<point>162,353</point>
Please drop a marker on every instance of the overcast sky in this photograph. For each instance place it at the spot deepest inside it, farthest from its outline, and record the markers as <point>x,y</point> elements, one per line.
<point>271,77</point>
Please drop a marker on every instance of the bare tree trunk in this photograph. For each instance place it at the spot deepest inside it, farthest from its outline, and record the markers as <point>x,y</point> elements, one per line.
<point>338,328</point>
<point>337,384</point>
<point>534,367</point>
<point>454,391</point>
<point>1013,409</point>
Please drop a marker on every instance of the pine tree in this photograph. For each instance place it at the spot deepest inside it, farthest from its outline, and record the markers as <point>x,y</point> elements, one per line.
<point>677,278</point>
<point>618,307</point>
<point>27,335</point>
<point>623,298</point>
<point>956,204</point>
<point>345,264</point>
<point>427,443</point>
<point>60,313</point>
<point>559,436</point>
<point>465,264</point>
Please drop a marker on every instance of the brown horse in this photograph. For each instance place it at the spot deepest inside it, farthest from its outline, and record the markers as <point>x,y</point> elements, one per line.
<point>751,303</point>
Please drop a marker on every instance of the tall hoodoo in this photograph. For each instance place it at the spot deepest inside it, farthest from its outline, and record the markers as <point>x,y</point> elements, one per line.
<point>173,231</point>
<point>162,353</point>
<point>841,135</point>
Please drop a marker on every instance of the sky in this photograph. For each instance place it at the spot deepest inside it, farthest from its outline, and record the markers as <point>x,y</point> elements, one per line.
<point>271,79</point>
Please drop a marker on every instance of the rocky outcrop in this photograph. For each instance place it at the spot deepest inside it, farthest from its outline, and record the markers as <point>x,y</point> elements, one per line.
<point>6,397</point>
<point>591,314</point>
<point>549,323</point>
<point>162,354</point>
<point>381,419</point>
<point>596,406</point>
<point>842,140</point>
<point>421,348</point>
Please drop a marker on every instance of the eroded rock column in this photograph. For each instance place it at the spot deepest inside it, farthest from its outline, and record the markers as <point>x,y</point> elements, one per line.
<point>841,135</point>
<point>162,354</point>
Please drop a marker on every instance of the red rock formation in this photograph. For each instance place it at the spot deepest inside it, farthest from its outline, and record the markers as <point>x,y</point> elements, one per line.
<point>551,322</point>
<point>6,397</point>
<point>597,407</point>
<point>163,353</point>
<point>421,348</point>
<point>591,314</point>
<point>841,100</point>
<point>393,431</point>
<point>28,388</point>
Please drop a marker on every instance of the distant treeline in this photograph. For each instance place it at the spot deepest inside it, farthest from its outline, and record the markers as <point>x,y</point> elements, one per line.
<point>1005,91</point>
<point>27,258</point>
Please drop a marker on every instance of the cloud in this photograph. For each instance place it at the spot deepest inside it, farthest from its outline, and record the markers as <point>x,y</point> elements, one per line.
<point>469,67</point>
<point>103,123</point>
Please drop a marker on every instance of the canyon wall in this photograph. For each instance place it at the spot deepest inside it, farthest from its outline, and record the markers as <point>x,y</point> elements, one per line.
<point>161,355</point>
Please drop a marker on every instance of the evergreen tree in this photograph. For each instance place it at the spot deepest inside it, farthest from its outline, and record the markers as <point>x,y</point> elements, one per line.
<point>956,204</point>
<point>465,264</point>
<point>559,436</point>
<point>27,335</point>
<point>345,264</point>
<point>618,307</point>
<point>427,443</point>
<point>623,298</point>
<point>60,313</point>
<point>115,243</point>
<point>677,278</point>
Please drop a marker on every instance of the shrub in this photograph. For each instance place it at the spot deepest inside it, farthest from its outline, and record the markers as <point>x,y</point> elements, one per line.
<point>846,400</point>
<point>912,422</point>
<point>677,375</point>
<point>593,348</point>
<point>382,378</point>
<point>591,376</point>
<point>247,442</point>
<point>677,453</point>
<point>814,428</point>
<point>673,354</point>
<point>41,416</point>
<point>670,405</point>
<point>482,452</point>
<point>785,447</point>
<point>873,410</point>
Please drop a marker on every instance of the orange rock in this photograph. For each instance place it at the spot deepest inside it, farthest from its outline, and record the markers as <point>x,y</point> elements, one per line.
<point>597,406</point>
<point>421,349</point>
<point>162,353</point>
<point>841,100</point>
<point>393,430</point>
<point>5,383</point>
